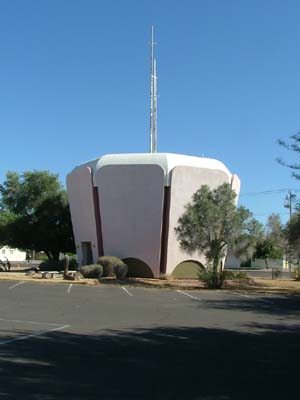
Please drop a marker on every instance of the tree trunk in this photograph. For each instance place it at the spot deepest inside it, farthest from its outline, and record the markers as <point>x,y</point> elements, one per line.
<point>66,266</point>
<point>217,262</point>
<point>216,272</point>
<point>48,254</point>
<point>52,254</point>
<point>56,255</point>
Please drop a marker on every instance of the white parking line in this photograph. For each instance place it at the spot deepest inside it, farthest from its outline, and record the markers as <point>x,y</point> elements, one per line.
<point>242,295</point>
<point>127,291</point>
<point>188,295</point>
<point>29,322</point>
<point>252,297</point>
<point>17,284</point>
<point>69,288</point>
<point>33,335</point>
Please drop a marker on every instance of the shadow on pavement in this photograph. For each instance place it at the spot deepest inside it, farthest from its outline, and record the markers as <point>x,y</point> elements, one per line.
<point>159,363</point>
<point>281,305</point>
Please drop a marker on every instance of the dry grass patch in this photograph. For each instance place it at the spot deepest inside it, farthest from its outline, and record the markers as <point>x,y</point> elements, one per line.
<point>262,285</point>
<point>37,278</point>
<point>265,285</point>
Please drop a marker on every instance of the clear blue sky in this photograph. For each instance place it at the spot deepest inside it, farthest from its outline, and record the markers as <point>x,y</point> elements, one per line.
<point>74,84</point>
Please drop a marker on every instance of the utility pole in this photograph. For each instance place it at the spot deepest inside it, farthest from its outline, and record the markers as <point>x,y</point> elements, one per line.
<point>289,201</point>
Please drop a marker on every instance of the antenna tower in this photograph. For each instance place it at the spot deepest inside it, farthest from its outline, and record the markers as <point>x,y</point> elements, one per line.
<point>153,98</point>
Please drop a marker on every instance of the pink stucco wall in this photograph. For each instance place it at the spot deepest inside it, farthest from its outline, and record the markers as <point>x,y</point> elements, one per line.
<point>80,194</point>
<point>131,207</point>
<point>120,208</point>
<point>185,181</point>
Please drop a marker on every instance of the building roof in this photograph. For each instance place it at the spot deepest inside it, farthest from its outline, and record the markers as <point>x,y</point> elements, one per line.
<point>167,161</point>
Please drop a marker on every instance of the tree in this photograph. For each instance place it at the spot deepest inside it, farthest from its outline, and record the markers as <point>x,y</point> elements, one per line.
<point>294,145</point>
<point>272,243</point>
<point>275,233</point>
<point>211,223</point>
<point>264,250</point>
<point>293,237</point>
<point>34,213</point>
<point>274,229</point>
<point>22,194</point>
<point>244,247</point>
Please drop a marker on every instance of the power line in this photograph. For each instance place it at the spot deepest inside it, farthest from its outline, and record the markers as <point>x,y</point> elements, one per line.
<point>263,215</point>
<point>267,192</point>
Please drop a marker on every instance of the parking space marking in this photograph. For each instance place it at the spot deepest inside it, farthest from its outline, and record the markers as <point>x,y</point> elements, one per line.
<point>242,295</point>
<point>29,322</point>
<point>251,297</point>
<point>37,334</point>
<point>127,291</point>
<point>17,284</point>
<point>188,295</point>
<point>69,288</point>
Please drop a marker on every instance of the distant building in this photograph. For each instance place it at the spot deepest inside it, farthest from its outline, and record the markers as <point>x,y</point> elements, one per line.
<point>11,254</point>
<point>233,262</point>
<point>128,205</point>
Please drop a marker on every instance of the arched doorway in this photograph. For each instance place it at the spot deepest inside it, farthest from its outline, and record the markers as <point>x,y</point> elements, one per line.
<point>137,268</point>
<point>188,269</point>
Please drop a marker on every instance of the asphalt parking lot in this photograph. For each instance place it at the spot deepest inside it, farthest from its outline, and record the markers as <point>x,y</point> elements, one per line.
<point>113,342</point>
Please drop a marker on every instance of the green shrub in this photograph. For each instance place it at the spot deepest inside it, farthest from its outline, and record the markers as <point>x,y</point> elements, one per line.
<point>246,264</point>
<point>40,257</point>
<point>120,270</point>
<point>73,264</point>
<point>91,271</point>
<point>212,279</point>
<point>51,265</point>
<point>59,265</point>
<point>229,274</point>
<point>240,275</point>
<point>113,266</point>
<point>232,275</point>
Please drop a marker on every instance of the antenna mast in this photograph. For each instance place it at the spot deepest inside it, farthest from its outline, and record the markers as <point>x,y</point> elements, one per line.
<point>153,99</point>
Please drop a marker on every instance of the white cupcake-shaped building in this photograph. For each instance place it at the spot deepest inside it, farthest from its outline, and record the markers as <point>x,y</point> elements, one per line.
<point>128,205</point>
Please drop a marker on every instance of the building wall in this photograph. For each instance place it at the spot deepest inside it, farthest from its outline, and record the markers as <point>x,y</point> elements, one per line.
<point>236,186</point>
<point>127,217</point>
<point>185,181</point>
<point>131,208</point>
<point>12,254</point>
<point>81,199</point>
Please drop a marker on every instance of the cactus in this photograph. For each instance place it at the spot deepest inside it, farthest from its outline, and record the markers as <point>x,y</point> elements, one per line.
<point>65,264</point>
<point>91,271</point>
<point>120,270</point>
<point>113,266</point>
